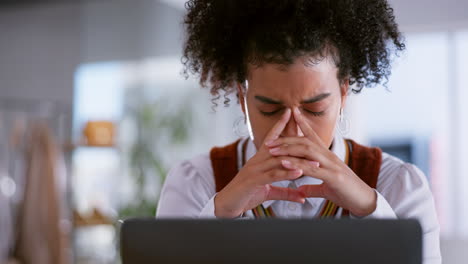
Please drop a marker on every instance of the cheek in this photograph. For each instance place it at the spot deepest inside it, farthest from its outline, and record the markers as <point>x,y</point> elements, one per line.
<point>324,127</point>
<point>260,127</point>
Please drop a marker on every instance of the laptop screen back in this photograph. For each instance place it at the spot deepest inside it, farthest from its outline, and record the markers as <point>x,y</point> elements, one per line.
<point>271,241</point>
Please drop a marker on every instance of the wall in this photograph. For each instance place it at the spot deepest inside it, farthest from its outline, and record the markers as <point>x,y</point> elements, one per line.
<point>417,15</point>
<point>39,51</point>
<point>42,45</point>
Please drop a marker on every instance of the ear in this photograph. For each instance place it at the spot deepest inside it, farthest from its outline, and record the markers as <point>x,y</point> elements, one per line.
<point>344,92</point>
<point>240,93</point>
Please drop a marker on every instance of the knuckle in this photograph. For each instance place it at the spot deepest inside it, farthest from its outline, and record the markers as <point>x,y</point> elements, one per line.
<point>302,163</point>
<point>339,178</point>
<point>278,161</point>
<point>290,175</point>
<point>313,168</point>
<point>271,175</point>
<point>287,174</point>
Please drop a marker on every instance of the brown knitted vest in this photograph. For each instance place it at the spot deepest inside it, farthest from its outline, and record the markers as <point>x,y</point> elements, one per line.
<point>364,161</point>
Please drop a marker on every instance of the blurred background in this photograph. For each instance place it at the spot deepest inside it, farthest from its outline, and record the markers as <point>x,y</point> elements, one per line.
<point>94,111</point>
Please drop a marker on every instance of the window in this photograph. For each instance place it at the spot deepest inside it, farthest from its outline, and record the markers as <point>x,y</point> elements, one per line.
<point>422,118</point>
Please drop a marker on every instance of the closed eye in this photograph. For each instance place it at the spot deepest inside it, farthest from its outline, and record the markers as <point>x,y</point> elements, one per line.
<point>270,113</point>
<point>314,113</point>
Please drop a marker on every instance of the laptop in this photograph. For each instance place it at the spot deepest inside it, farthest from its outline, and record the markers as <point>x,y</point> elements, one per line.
<point>271,241</point>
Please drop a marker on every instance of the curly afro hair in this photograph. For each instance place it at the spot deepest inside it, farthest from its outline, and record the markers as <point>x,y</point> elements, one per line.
<point>225,36</point>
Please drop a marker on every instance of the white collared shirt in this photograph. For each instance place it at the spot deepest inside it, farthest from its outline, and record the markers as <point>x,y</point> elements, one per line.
<point>402,192</point>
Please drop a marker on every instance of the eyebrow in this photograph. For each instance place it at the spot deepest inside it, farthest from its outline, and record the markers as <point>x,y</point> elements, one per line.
<point>314,99</point>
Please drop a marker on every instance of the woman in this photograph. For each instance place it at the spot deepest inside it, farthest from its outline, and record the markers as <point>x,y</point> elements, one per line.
<point>292,64</point>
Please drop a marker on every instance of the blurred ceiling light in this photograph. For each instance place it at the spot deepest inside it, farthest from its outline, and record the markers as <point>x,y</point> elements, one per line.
<point>179,4</point>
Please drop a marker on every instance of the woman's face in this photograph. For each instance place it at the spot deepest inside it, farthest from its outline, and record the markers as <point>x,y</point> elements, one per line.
<point>315,90</point>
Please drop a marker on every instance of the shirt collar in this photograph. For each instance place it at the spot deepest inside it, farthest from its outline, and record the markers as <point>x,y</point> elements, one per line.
<point>338,148</point>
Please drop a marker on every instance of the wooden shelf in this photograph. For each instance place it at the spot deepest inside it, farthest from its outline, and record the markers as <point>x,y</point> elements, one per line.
<point>72,146</point>
<point>96,218</point>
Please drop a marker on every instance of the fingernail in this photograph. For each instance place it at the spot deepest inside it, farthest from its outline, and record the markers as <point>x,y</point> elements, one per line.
<point>286,163</point>
<point>298,172</point>
<point>274,151</point>
<point>296,110</point>
<point>314,164</point>
<point>269,142</point>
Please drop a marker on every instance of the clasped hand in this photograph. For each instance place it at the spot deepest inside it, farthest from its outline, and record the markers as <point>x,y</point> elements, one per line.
<point>289,158</point>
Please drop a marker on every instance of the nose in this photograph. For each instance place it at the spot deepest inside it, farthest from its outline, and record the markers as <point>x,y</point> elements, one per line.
<point>292,129</point>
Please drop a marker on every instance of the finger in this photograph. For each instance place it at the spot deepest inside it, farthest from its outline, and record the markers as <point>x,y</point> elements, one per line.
<point>312,190</point>
<point>305,127</point>
<point>306,151</point>
<point>275,132</point>
<point>277,175</point>
<point>309,168</point>
<point>302,163</point>
<point>312,146</point>
<point>285,194</point>
<point>270,164</point>
<point>285,163</point>
<point>289,141</point>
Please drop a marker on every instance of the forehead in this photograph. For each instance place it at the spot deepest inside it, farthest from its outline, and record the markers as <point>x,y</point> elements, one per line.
<point>294,82</point>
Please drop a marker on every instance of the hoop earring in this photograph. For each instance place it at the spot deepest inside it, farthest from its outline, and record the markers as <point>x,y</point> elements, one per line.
<point>240,129</point>
<point>343,124</point>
